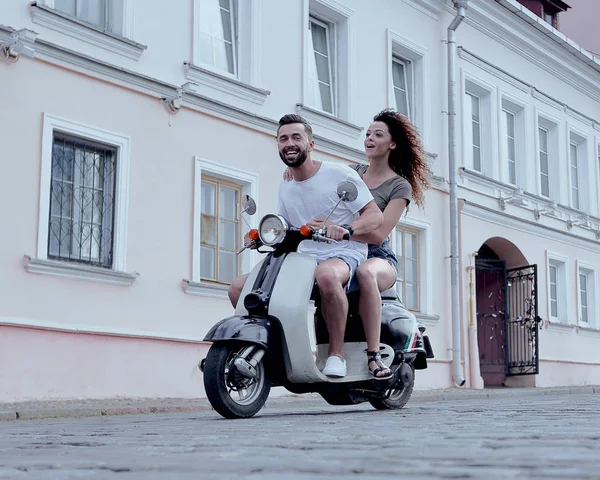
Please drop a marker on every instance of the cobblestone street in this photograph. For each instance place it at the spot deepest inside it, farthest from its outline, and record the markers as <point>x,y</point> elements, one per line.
<point>548,436</point>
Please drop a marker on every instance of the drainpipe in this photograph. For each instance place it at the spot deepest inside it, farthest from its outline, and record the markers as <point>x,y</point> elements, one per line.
<point>457,373</point>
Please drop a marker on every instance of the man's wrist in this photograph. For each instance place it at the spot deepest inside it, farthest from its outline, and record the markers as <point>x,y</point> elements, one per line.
<point>349,228</point>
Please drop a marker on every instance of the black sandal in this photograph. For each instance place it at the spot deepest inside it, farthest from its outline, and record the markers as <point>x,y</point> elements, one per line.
<point>375,356</point>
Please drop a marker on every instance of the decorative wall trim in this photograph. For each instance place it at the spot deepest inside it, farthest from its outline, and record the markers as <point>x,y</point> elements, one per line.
<point>209,80</point>
<point>329,121</point>
<point>73,27</point>
<point>98,330</point>
<point>79,271</point>
<point>205,289</point>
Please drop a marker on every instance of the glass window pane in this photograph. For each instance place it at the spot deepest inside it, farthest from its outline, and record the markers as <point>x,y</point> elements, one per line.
<point>411,271</point>
<point>554,308</point>
<point>411,301</point>
<point>228,201</point>
<point>208,230</point>
<point>92,11</point>
<point>223,55</point>
<point>476,158</point>
<point>208,198</point>
<point>399,75</point>
<point>228,236</point>
<point>326,102</point>
<point>207,263</point>
<point>227,266</point>
<point>322,64</point>
<point>474,108</point>
<point>411,246</point>
<point>205,48</point>
<point>66,6</point>
<point>227,25</point>
<point>319,38</point>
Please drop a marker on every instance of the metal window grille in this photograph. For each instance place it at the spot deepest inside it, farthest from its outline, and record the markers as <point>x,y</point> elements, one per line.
<point>82,201</point>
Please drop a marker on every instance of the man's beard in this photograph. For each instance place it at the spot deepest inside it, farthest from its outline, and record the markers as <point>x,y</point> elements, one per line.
<point>301,157</point>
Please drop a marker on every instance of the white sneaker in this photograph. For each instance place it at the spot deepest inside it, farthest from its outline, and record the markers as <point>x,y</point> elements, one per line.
<point>335,367</point>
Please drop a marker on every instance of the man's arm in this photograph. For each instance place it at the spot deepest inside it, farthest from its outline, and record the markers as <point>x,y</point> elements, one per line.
<point>370,219</point>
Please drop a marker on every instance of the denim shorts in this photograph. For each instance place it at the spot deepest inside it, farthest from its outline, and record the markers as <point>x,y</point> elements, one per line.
<point>352,283</point>
<point>385,252</point>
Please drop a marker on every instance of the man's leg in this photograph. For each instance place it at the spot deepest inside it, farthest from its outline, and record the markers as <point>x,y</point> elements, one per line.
<point>331,276</point>
<point>235,289</point>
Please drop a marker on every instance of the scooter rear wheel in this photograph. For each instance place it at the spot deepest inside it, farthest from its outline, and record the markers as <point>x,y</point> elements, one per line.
<point>395,400</point>
<point>231,394</point>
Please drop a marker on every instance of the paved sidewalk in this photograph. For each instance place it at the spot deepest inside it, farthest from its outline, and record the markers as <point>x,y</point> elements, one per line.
<point>128,406</point>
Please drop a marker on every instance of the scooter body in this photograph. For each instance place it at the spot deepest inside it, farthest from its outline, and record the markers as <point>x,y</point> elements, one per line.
<point>271,342</point>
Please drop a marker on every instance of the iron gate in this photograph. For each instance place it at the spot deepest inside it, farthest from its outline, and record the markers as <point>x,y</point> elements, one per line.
<point>522,321</point>
<point>507,319</point>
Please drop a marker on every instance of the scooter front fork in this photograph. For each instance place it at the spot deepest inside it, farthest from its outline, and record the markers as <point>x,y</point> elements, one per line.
<point>248,359</point>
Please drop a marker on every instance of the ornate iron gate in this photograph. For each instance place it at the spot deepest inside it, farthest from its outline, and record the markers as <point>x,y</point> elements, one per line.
<point>507,319</point>
<point>522,321</point>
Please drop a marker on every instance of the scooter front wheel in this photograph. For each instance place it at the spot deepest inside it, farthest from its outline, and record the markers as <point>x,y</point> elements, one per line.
<point>232,394</point>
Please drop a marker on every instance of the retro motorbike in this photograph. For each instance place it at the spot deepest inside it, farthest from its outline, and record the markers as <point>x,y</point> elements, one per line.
<point>268,341</point>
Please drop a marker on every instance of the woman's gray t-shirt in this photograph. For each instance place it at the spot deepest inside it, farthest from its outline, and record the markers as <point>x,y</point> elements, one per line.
<point>395,187</point>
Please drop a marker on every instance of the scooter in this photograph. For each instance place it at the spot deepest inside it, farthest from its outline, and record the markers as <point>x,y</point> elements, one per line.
<point>268,340</point>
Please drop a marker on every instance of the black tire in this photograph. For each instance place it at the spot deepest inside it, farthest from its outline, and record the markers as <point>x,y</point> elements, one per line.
<point>396,400</point>
<point>221,390</point>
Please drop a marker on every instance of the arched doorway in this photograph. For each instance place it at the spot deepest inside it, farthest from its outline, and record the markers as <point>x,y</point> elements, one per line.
<point>507,320</point>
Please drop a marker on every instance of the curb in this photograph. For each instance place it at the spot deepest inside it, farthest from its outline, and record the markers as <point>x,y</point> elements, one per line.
<point>131,406</point>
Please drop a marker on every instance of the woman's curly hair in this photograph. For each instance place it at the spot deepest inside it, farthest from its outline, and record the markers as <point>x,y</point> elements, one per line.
<point>408,158</point>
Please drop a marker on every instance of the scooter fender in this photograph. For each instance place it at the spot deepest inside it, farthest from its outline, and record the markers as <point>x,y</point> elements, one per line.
<point>243,328</point>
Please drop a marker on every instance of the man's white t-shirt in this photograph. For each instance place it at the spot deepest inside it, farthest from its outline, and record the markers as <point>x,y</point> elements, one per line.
<point>300,202</point>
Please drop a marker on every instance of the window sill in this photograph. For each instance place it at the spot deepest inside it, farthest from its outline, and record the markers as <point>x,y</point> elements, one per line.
<point>208,79</point>
<point>560,327</point>
<point>427,320</point>
<point>79,272</point>
<point>327,120</point>
<point>205,289</point>
<point>588,332</point>
<point>61,22</point>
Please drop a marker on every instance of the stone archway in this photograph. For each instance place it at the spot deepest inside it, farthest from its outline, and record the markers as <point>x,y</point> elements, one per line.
<point>504,284</point>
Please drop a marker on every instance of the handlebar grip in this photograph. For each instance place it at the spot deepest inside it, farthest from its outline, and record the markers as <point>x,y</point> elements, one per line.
<point>346,236</point>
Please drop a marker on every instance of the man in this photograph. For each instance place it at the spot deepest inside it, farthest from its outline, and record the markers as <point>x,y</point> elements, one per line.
<point>308,199</point>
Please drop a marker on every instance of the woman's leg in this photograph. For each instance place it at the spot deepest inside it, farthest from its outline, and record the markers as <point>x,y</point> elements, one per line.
<point>373,275</point>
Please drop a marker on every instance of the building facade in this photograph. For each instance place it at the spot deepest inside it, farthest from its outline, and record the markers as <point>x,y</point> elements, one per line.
<point>130,136</point>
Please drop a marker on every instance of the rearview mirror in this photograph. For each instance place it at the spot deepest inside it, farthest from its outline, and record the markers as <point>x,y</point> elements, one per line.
<point>248,205</point>
<point>347,191</point>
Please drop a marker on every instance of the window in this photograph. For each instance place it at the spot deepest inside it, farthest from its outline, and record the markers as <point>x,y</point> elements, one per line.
<point>475,111</point>
<point>408,254</point>
<point>82,192</point>
<point>104,14</point>
<point>218,34</point>
<point>548,183</point>
<point>402,82</point>
<point>220,231</point>
<point>511,147</point>
<point>578,171</point>
<point>587,298</point>
<point>321,75</point>
<point>544,162</point>
<point>84,197</point>
<point>557,288</point>
<point>329,75</point>
<point>574,174</point>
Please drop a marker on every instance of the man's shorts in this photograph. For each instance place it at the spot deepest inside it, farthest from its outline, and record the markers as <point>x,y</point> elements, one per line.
<point>352,283</point>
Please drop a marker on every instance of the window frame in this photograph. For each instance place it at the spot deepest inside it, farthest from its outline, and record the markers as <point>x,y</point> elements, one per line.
<point>249,186</point>
<point>579,140</point>
<point>331,41</point>
<point>423,229</point>
<point>219,182</point>
<point>552,126</point>
<point>408,85</point>
<point>418,57</point>
<point>518,109</point>
<point>562,299</point>
<point>475,87</point>
<point>42,264</point>
<point>343,18</point>
<point>43,13</point>
<point>590,271</point>
<point>401,256</point>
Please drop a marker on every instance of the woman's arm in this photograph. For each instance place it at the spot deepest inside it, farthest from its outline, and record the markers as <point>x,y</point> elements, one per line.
<point>392,213</point>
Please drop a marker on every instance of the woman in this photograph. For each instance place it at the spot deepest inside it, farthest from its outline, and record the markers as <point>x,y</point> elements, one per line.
<point>396,174</point>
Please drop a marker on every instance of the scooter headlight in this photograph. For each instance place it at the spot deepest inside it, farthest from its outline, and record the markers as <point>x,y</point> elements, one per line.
<point>272,230</point>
